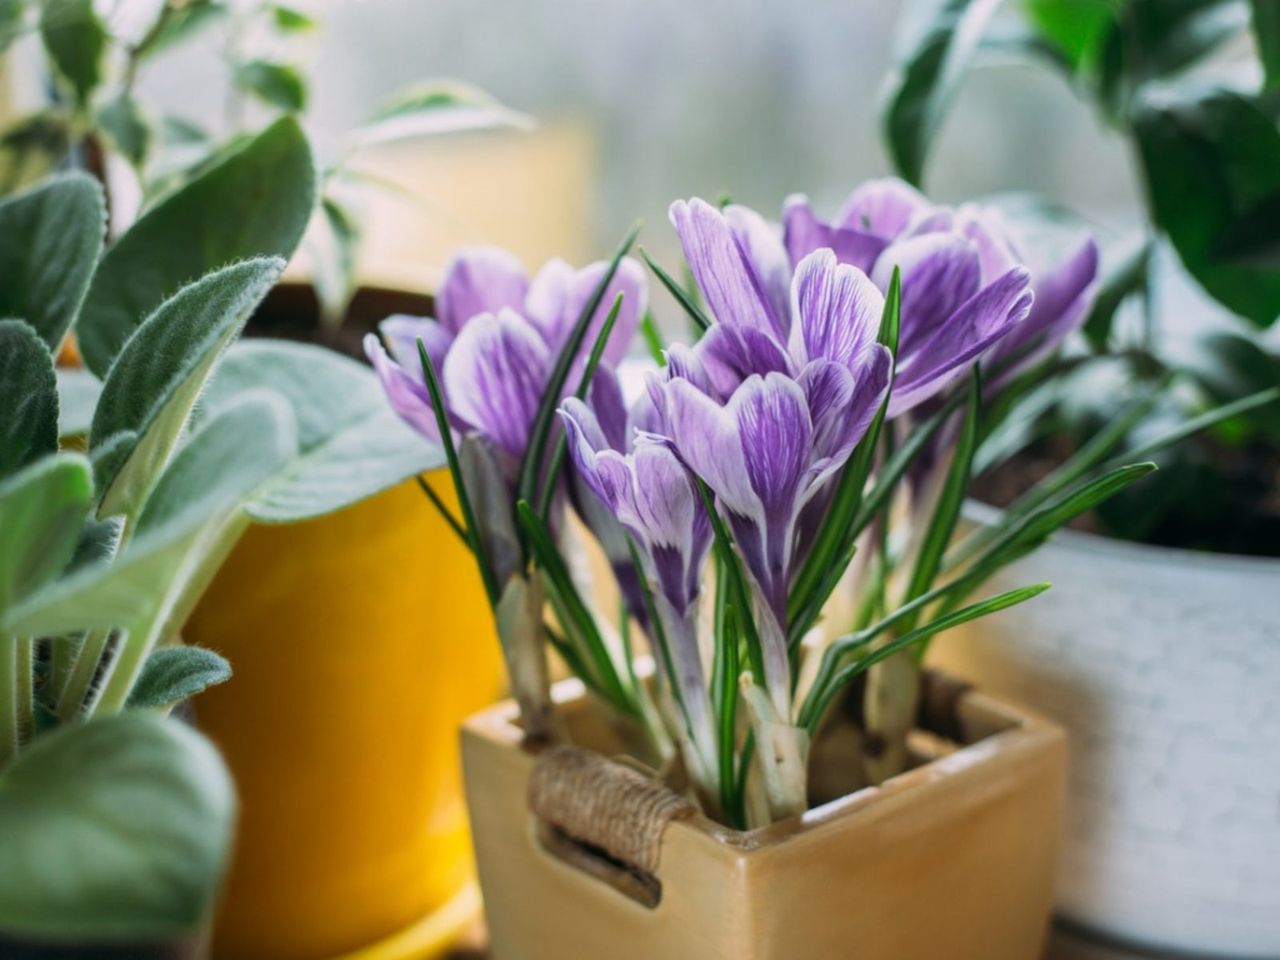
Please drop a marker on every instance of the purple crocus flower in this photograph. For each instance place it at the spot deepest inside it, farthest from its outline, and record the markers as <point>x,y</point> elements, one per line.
<point>964,283</point>
<point>496,340</point>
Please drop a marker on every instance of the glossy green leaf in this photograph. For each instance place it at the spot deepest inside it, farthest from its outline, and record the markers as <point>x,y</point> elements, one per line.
<point>42,510</point>
<point>937,40</point>
<point>291,19</point>
<point>28,395</point>
<point>152,386</point>
<point>176,673</point>
<point>1208,165</point>
<point>50,239</point>
<point>1266,31</point>
<point>255,201</point>
<point>1075,28</point>
<point>118,828</point>
<point>278,84</point>
<point>351,443</point>
<point>125,123</point>
<point>76,41</point>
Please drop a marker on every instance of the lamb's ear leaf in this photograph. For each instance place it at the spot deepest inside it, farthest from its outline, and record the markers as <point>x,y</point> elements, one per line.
<point>76,40</point>
<point>153,384</point>
<point>172,674</point>
<point>114,829</point>
<point>351,445</point>
<point>50,240</point>
<point>937,42</point>
<point>42,510</point>
<point>28,395</point>
<point>253,202</point>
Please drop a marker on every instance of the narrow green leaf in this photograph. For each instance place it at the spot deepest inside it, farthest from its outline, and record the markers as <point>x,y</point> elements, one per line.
<point>76,41</point>
<point>937,41</point>
<point>278,84</point>
<point>491,586</point>
<point>687,303</point>
<point>951,499</point>
<point>28,395</point>
<point>588,373</point>
<point>652,338</point>
<point>50,240</point>
<point>115,829</point>
<point>154,382</point>
<point>1204,421</point>
<point>255,201</point>
<point>176,673</point>
<point>535,455</point>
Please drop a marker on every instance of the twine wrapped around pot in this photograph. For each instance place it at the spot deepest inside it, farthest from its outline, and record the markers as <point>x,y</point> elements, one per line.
<point>600,802</point>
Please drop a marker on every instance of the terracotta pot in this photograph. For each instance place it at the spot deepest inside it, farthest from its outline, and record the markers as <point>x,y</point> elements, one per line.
<point>952,860</point>
<point>1164,666</point>
<point>338,727</point>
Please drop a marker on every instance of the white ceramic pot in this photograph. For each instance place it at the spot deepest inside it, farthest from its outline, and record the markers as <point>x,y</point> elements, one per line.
<point>1164,666</point>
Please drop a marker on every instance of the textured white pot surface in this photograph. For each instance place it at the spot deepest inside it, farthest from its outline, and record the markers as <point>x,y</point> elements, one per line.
<point>1164,666</point>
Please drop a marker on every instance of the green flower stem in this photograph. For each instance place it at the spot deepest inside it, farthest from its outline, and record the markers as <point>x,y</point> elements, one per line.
<point>9,680</point>
<point>83,670</point>
<point>24,654</point>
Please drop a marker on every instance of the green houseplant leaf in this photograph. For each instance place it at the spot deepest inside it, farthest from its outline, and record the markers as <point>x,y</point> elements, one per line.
<point>176,673</point>
<point>255,202</point>
<point>42,511</point>
<point>117,828</point>
<point>153,384</point>
<point>351,444</point>
<point>1212,169</point>
<point>124,121</point>
<point>1266,28</point>
<point>435,108</point>
<point>76,41</point>
<point>938,41</point>
<point>50,240</point>
<point>28,395</point>
<point>278,84</point>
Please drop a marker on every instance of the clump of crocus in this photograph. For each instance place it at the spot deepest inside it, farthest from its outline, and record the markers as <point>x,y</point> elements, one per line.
<point>731,494</point>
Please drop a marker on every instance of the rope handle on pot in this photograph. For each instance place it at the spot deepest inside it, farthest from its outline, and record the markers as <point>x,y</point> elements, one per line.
<point>602,803</point>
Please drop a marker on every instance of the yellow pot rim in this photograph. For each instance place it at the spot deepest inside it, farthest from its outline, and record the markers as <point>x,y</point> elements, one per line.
<point>430,936</point>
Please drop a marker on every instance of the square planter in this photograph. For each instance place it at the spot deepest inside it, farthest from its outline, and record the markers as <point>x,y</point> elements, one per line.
<point>580,856</point>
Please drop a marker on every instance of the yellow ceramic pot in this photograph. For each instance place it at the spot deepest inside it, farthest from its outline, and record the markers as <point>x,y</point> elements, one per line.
<point>359,641</point>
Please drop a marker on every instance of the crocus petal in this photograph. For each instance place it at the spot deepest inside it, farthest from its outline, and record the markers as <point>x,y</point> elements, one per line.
<point>402,333</point>
<point>1063,297</point>
<point>610,411</point>
<point>479,280</point>
<point>408,396</point>
<point>762,249</point>
<point>546,303</point>
<point>728,355</point>
<point>940,271</point>
<point>803,233</point>
<point>844,426</point>
<point>987,229</point>
<point>495,376</point>
<point>969,332</point>
<point>837,310</point>
<point>729,279</point>
<point>706,436</point>
<point>669,511</point>
<point>559,294</point>
<point>884,207</point>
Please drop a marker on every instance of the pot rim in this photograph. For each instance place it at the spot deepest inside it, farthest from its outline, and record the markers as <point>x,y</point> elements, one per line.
<point>1004,734</point>
<point>1078,541</point>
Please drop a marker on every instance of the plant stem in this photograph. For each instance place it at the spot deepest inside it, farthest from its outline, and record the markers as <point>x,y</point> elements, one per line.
<point>83,671</point>
<point>9,681</point>
<point>25,678</point>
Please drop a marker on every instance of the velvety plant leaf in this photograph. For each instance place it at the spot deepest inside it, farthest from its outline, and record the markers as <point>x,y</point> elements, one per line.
<point>175,673</point>
<point>50,239</point>
<point>278,84</point>
<point>116,828</point>
<point>28,395</point>
<point>76,41</point>
<point>350,443</point>
<point>152,386</point>
<point>1209,165</point>
<point>435,108</point>
<point>937,41</point>
<point>255,201</point>
<point>32,147</point>
<point>42,510</point>
<point>123,120</point>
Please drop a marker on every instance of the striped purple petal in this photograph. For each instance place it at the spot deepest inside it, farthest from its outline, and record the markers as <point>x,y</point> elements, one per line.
<point>479,280</point>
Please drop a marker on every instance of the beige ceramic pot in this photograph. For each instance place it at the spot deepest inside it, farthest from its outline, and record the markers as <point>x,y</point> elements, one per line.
<point>580,856</point>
